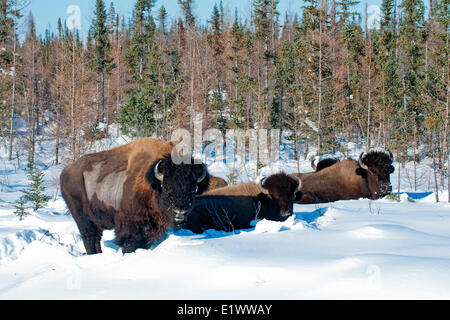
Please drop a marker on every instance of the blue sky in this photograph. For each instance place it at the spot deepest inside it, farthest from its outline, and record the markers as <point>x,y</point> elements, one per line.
<point>47,12</point>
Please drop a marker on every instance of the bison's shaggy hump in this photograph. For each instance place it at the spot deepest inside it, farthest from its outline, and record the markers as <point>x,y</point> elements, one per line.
<point>135,189</point>
<point>242,189</point>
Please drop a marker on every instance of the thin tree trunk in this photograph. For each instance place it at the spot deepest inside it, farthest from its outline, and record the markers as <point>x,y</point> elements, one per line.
<point>370,92</point>
<point>119,93</point>
<point>102,113</point>
<point>319,118</point>
<point>436,185</point>
<point>415,156</point>
<point>72,103</point>
<point>266,80</point>
<point>398,175</point>
<point>13,98</point>
<point>58,125</point>
<point>32,122</point>
<point>446,131</point>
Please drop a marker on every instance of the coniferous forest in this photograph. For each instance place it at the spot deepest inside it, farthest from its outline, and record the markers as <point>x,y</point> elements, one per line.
<point>326,74</point>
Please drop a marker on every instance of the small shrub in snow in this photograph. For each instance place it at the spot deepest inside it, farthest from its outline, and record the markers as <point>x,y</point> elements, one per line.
<point>35,192</point>
<point>393,197</point>
<point>20,208</point>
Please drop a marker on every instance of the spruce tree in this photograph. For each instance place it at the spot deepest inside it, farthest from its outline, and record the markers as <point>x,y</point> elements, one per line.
<point>290,71</point>
<point>21,208</point>
<point>411,42</point>
<point>145,99</point>
<point>101,60</point>
<point>215,41</point>
<point>186,8</point>
<point>6,58</point>
<point>438,84</point>
<point>241,45</point>
<point>411,32</point>
<point>5,32</point>
<point>162,18</point>
<point>387,69</point>
<point>264,21</point>
<point>345,12</point>
<point>35,192</point>
<point>9,14</point>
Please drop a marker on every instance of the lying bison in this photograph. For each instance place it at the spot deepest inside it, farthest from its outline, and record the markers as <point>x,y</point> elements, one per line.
<point>349,179</point>
<point>135,189</point>
<point>235,207</point>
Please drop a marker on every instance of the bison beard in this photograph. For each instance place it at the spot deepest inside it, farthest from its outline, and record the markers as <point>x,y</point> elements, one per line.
<point>132,191</point>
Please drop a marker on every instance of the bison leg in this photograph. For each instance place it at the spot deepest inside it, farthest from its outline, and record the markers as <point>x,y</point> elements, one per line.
<point>91,236</point>
<point>308,198</point>
<point>90,233</point>
<point>130,243</point>
<point>141,234</point>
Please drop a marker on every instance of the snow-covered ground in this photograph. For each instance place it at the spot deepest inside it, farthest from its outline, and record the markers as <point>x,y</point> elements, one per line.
<point>349,249</point>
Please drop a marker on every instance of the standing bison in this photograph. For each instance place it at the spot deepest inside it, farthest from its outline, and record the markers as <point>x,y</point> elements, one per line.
<point>135,189</point>
<point>349,179</point>
<point>235,207</point>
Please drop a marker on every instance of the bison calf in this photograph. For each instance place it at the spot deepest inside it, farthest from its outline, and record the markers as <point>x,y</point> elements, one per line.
<point>135,189</point>
<point>235,207</point>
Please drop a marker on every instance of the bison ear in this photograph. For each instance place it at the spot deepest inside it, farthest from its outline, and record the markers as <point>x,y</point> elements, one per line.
<point>203,185</point>
<point>361,172</point>
<point>298,196</point>
<point>391,169</point>
<point>263,197</point>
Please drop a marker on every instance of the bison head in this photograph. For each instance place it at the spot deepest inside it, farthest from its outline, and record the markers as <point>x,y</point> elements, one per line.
<point>177,185</point>
<point>376,168</point>
<point>284,189</point>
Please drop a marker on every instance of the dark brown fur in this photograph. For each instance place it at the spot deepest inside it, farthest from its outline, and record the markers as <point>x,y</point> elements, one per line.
<point>140,211</point>
<point>347,180</point>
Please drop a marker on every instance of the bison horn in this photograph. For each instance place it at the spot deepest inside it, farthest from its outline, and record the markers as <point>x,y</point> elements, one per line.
<point>299,188</point>
<point>204,173</point>
<point>261,186</point>
<point>313,165</point>
<point>361,164</point>
<point>391,156</point>
<point>158,175</point>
